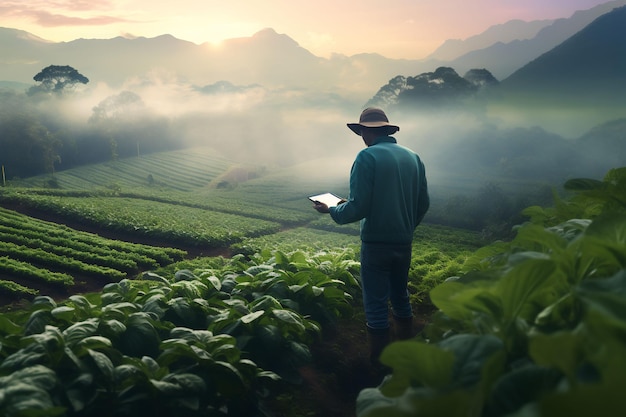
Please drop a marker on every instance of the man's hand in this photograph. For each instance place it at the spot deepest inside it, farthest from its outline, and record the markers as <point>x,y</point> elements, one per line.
<point>320,207</point>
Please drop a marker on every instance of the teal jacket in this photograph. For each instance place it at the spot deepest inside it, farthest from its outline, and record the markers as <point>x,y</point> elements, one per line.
<point>388,193</point>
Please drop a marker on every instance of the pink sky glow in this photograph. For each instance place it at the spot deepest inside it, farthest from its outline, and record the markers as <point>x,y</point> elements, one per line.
<point>408,29</point>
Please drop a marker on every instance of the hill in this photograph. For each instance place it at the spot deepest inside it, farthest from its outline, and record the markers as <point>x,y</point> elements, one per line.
<point>503,57</point>
<point>501,49</point>
<point>588,67</point>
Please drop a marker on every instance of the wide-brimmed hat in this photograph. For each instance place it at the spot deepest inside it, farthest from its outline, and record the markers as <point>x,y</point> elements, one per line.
<point>373,117</point>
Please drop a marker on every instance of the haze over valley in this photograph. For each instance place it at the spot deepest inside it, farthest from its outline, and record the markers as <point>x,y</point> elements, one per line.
<point>548,104</point>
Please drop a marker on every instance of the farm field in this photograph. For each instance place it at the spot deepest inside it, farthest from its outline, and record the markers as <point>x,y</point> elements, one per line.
<point>205,205</point>
<point>106,239</point>
<point>147,290</point>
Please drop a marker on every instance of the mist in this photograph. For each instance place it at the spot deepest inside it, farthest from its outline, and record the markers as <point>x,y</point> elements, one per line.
<point>283,127</point>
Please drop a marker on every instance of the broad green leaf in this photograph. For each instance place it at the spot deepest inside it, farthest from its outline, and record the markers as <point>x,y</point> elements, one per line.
<point>103,363</point>
<point>37,321</point>
<point>521,386</point>
<point>605,302</point>
<point>82,304</point>
<point>211,279</point>
<point>249,318</point>
<point>563,313</point>
<point>416,362</point>
<point>459,300</point>
<point>79,331</point>
<point>536,238</point>
<point>125,307</point>
<point>166,388</point>
<point>184,275</point>
<point>227,378</point>
<point>471,354</point>
<point>522,284</point>
<point>190,289</point>
<point>583,184</point>
<point>151,366</point>
<point>65,313</point>
<point>128,374</point>
<point>265,302</point>
<point>609,227</point>
<point>22,399</point>
<point>151,276</point>
<point>111,328</point>
<point>289,317</point>
<point>95,342</point>
<point>43,302</point>
<point>415,401</point>
<point>269,336</point>
<point>140,337</point>
<point>586,400</point>
<point>191,384</point>
<point>300,351</point>
<point>8,327</point>
<point>37,375</point>
<point>257,269</point>
<point>561,350</point>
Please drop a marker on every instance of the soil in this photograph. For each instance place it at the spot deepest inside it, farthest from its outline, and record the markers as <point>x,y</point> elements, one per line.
<point>329,385</point>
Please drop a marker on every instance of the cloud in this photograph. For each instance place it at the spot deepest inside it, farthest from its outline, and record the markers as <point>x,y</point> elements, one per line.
<point>62,13</point>
<point>51,20</point>
<point>320,40</point>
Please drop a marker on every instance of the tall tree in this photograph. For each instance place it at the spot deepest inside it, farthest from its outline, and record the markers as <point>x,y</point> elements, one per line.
<point>57,79</point>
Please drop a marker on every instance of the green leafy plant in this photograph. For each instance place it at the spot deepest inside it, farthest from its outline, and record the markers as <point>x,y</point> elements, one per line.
<point>209,342</point>
<point>534,327</point>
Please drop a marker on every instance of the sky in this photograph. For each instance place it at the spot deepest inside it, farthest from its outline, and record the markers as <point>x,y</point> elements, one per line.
<point>403,29</point>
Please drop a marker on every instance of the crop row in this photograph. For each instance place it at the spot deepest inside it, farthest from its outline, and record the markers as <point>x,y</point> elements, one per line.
<point>172,224</point>
<point>209,342</point>
<point>226,202</point>
<point>110,261</point>
<point>9,266</point>
<point>182,170</point>
<point>34,251</point>
<point>38,256</point>
<point>63,236</point>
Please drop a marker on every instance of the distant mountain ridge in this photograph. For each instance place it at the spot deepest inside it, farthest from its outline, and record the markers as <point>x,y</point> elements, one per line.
<point>590,64</point>
<point>588,67</point>
<point>504,33</point>
<point>262,58</point>
<point>502,58</point>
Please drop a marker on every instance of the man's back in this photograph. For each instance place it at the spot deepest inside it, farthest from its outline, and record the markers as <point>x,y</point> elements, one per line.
<point>388,193</point>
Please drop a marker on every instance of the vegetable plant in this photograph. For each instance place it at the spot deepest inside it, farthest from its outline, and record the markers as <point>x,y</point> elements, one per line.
<point>533,327</point>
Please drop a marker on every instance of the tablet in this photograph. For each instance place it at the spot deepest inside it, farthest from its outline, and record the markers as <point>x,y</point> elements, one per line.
<point>330,199</point>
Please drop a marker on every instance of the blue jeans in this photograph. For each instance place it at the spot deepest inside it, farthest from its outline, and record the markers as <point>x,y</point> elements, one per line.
<point>384,278</point>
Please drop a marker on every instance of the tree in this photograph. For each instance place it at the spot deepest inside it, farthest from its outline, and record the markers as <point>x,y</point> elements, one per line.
<point>57,79</point>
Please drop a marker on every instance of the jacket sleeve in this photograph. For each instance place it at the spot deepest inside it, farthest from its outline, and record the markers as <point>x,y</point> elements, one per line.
<point>423,198</point>
<point>361,183</point>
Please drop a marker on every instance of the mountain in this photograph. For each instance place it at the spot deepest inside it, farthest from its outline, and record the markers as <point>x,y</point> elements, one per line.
<point>503,58</point>
<point>591,65</point>
<point>273,60</point>
<point>510,31</point>
<point>442,87</point>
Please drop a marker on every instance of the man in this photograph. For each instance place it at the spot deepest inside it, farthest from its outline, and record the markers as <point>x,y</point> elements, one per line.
<point>389,195</point>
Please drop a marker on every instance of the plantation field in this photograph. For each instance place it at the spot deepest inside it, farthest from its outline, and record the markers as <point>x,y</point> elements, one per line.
<point>195,203</point>
<point>106,321</point>
<point>177,170</point>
